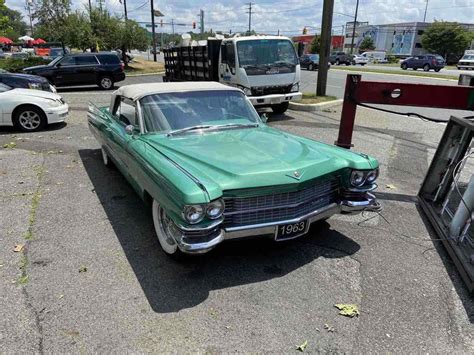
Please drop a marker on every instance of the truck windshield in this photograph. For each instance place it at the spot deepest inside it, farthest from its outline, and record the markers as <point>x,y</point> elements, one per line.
<point>266,52</point>
<point>213,109</point>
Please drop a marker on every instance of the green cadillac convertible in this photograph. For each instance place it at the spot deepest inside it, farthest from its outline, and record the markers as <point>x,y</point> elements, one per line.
<point>212,170</point>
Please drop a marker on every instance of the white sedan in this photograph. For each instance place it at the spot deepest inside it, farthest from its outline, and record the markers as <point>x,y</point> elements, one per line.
<point>359,59</point>
<point>30,110</point>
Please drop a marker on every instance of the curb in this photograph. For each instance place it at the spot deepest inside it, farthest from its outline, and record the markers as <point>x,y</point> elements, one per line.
<point>145,74</point>
<point>314,107</point>
<point>401,74</point>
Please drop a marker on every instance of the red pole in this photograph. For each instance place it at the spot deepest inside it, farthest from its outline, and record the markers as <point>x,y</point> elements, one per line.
<point>348,114</point>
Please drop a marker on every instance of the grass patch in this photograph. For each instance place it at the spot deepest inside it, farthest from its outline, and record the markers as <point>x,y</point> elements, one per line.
<point>23,279</point>
<point>142,66</point>
<point>405,72</point>
<point>310,98</point>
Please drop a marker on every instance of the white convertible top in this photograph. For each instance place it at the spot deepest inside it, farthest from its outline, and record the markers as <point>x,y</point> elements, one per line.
<point>137,91</point>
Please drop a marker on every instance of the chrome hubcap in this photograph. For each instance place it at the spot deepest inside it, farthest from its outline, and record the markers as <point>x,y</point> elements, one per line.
<point>30,120</point>
<point>106,82</point>
<point>166,230</point>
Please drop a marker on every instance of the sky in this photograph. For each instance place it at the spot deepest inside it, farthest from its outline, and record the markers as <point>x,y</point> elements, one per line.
<point>287,16</point>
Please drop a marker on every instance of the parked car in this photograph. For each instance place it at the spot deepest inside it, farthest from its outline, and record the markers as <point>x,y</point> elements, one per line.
<point>425,62</point>
<point>198,152</point>
<point>358,59</point>
<point>340,58</point>
<point>103,69</point>
<point>30,110</point>
<point>467,61</point>
<point>375,56</point>
<point>309,61</point>
<point>25,81</point>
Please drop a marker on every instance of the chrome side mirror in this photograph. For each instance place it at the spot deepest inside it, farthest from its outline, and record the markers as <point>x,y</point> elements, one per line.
<point>129,129</point>
<point>264,117</point>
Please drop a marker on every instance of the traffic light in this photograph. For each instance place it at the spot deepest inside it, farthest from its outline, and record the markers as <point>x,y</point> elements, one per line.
<point>305,30</point>
<point>194,25</point>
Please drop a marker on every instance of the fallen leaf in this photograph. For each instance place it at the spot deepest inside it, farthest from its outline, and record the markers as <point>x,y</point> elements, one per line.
<point>18,248</point>
<point>329,328</point>
<point>302,346</point>
<point>10,145</point>
<point>82,269</point>
<point>390,186</point>
<point>348,310</point>
<point>60,296</point>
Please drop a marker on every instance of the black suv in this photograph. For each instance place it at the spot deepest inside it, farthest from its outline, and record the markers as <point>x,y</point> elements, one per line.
<point>340,58</point>
<point>102,69</point>
<point>425,62</point>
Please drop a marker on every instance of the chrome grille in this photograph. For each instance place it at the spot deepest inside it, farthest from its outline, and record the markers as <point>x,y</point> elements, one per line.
<point>281,206</point>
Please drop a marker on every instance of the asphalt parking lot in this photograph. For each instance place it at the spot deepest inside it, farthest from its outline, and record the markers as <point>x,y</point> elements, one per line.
<point>92,278</point>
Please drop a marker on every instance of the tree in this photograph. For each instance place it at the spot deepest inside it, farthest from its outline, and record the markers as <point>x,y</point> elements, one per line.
<point>445,38</point>
<point>367,44</point>
<point>315,44</point>
<point>78,31</point>
<point>11,22</point>
<point>52,17</point>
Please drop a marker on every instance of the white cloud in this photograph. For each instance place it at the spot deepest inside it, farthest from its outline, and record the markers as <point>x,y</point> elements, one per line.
<point>287,16</point>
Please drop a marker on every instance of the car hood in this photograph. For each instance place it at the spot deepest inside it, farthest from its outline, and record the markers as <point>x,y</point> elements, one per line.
<point>255,157</point>
<point>35,93</point>
<point>36,67</point>
<point>29,77</point>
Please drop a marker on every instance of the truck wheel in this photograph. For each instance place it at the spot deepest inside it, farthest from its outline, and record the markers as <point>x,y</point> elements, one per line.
<point>338,62</point>
<point>280,108</point>
<point>106,82</point>
<point>310,67</point>
<point>426,67</point>
<point>404,66</point>
<point>437,70</point>
<point>348,63</point>
<point>29,118</point>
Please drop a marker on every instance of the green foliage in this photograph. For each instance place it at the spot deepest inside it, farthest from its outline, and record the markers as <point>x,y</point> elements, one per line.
<point>316,44</point>
<point>446,38</point>
<point>52,19</point>
<point>367,44</point>
<point>11,22</point>
<point>392,59</point>
<point>16,65</point>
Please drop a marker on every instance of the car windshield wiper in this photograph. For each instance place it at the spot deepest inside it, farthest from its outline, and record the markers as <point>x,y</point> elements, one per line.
<point>235,125</point>
<point>187,129</point>
<point>284,64</point>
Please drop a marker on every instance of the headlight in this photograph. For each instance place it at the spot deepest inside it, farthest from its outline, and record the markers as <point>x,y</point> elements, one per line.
<point>357,178</point>
<point>372,176</point>
<point>54,103</point>
<point>295,87</point>
<point>193,213</point>
<point>36,86</point>
<point>215,209</point>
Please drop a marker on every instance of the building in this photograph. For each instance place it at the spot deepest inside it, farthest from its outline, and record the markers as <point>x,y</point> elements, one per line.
<point>399,39</point>
<point>304,43</point>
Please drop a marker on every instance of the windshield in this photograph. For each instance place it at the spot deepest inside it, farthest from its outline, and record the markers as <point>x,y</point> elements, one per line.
<point>173,111</point>
<point>4,87</point>
<point>54,52</point>
<point>468,57</point>
<point>55,60</point>
<point>314,57</point>
<point>264,52</point>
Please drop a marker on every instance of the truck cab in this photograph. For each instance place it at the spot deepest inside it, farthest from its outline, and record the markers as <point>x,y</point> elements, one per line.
<point>266,68</point>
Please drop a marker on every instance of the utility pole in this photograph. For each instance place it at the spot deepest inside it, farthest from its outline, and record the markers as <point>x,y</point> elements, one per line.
<point>326,25</point>
<point>426,10</point>
<point>28,7</point>
<point>125,9</point>
<point>90,7</point>
<point>153,29</point>
<point>250,16</point>
<point>172,25</point>
<point>354,27</point>
<point>201,18</point>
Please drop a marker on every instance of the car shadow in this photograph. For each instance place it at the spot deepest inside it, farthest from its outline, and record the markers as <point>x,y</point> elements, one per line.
<point>50,127</point>
<point>172,285</point>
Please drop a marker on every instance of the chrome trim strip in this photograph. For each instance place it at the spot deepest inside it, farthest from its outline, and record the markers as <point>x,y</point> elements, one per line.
<point>197,248</point>
<point>196,228</point>
<point>361,190</point>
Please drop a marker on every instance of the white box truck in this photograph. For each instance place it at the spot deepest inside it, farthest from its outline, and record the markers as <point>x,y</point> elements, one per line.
<point>266,68</point>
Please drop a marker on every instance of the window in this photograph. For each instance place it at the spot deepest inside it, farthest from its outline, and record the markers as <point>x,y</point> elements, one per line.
<point>393,44</point>
<point>67,61</point>
<point>109,59</point>
<point>418,45</point>
<point>230,54</point>
<point>394,33</point>
<point>420,32</point>
<point>176,110</point>
<point>125,112</point>
<point>86,60</point>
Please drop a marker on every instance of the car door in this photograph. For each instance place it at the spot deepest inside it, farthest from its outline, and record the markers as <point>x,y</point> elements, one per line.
<point>86,67</point>
<point>418,62</point>
<point>304,61</point>
<point>64,72</point>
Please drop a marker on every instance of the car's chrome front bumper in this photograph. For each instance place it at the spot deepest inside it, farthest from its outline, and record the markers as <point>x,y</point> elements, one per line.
<point>192,245</point>
<point>275,99</point>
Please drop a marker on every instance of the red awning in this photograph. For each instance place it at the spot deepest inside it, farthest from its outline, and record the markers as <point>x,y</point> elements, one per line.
<point>39,41</point>
<point>5,40</point>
